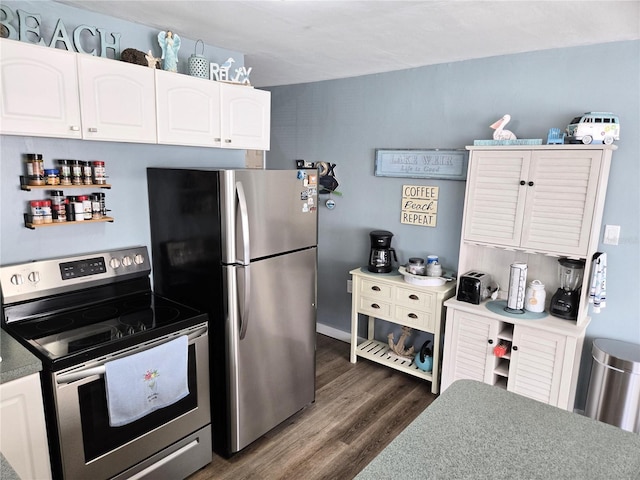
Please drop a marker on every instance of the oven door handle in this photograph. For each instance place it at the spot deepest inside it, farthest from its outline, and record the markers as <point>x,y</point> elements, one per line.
<point>83,373</point>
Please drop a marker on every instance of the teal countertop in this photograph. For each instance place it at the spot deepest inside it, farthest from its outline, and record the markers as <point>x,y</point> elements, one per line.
<point>477,431</point>
<point>17,361</point>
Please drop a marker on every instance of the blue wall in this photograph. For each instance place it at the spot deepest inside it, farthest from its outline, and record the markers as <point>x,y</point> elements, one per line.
<point>448,106</point>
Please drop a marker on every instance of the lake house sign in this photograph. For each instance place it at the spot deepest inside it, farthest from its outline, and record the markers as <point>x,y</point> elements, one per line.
<point>25,27</point>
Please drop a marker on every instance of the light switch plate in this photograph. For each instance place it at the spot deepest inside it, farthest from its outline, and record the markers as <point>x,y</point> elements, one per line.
<point>611,234</point>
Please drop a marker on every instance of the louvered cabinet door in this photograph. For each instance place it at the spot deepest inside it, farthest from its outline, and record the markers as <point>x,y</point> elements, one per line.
<point>495,198</point>
<point>560,201</point>
<point>469,351</point>
<point>537,359</point>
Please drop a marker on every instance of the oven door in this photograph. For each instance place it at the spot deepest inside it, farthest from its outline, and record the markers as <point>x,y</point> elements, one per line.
<point>90,448</point>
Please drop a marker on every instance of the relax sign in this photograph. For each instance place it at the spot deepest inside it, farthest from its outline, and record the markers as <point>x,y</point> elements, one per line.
<point>419,205</point>
<point>25,27</point>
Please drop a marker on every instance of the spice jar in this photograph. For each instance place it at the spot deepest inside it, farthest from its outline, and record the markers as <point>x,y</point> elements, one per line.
<point>87,173</point>
<point>76,172</point>
<point>51,176</point>
<point>35,169</point>
<point>99,173</point>
<point>75,210</point>
<point>86,206</point>
<point>37,216</point>
<point>96,207</point>
<point>65,172</point>
<point>99,197</point>
<point>58,207</point>
<point>46,211</point>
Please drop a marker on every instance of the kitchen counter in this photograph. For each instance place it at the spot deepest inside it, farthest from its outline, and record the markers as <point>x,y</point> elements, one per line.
<point>17,361</point>
<point>6,470</point>
<point>475,431</point>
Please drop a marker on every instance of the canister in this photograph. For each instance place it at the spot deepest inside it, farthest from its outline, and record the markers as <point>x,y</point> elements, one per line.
<point>535,297</point>
<point>416,266</point>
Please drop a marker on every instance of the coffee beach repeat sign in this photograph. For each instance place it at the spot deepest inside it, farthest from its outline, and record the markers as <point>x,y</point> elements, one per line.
<point>419,205</point>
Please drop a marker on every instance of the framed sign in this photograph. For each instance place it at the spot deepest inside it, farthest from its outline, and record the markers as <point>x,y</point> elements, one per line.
<point>419,205</point>
<point>434,163</point>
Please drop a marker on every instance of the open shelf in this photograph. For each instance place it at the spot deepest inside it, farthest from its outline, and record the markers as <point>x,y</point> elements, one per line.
<point>377,352</point>
<point>58,224</point>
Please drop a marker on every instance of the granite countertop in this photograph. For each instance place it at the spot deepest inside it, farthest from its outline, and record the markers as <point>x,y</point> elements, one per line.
<point>17,361</point>
<point>477,431</point>
<point>6,470</point>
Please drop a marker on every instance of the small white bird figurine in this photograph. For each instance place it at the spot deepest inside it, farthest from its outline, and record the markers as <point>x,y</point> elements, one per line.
<point>500,133</point>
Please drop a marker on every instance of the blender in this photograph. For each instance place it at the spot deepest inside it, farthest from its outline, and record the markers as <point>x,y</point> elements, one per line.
<point>380,255</point>
<point>566,300</point>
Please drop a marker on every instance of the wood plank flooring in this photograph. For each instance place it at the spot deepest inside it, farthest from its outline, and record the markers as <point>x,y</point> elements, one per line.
<point>358,410</point>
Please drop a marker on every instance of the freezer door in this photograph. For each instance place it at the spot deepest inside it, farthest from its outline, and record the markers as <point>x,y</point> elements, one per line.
<point>272,366</point>
<point>268,212</point>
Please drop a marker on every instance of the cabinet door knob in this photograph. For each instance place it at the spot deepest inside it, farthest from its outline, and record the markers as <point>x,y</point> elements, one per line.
<point>514,348</point>
<point>74,128</point>
<point>93,129</point>
<point>375,305</point>
<point>412,315</point>
<point>531,184</point>
<point>490,341</point>
<point>217,139</point>
<point>522,182</point>
<point>414,297</point>
<point>375,288</point>
<point>227,140</point>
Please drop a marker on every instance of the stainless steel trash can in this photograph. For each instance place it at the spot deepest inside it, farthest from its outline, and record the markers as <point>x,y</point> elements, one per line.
<point>614,386</point>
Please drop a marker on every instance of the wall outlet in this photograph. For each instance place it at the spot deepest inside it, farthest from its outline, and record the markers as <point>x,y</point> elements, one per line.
<point>611,234</point>
<point>349,286</point>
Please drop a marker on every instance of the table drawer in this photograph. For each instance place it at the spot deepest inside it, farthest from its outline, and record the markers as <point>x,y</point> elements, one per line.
<point>414,318</point>
<point>375,289</point>
<point>374,307</point>
<point>415,298</point>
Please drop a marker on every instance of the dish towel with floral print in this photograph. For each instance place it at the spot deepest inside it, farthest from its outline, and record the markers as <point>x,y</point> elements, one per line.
<point>146,381</point>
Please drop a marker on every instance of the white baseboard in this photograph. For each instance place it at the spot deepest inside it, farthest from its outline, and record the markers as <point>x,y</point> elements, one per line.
<point>333,332</point>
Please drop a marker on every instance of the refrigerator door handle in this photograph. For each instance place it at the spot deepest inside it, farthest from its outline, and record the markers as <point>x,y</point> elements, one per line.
<point>244,235</point>
<point>243,213</point>
<point>244,305</point>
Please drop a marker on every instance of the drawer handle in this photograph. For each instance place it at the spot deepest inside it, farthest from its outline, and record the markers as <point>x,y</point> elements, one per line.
<point>413,316</point>
<point>414,297</point>
<point>375,305</point>
<point>375,288</point>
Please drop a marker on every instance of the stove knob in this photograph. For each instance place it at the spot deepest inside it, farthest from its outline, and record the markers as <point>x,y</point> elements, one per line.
<point>114,263</point>
<point>17,279</point>
<point>34,277</point>
<point>138,259</point>
<point>126,261</point>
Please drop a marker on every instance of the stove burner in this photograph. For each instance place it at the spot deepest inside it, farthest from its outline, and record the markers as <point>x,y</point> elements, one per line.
<point>48,326</point>
<point>100,313</point>
<point>166,314</point>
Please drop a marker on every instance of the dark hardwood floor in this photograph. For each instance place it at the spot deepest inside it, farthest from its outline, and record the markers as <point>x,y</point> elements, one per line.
<point>358,410</point>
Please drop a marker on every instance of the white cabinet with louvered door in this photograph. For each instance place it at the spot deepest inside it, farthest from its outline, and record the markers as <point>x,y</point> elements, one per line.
<point>188,110</point>
<point>39,91</point>
<point>470,341</point>
<point>246,117</point>
<point>536,365</point>
<point>118,100</point>
<point>540,200</point>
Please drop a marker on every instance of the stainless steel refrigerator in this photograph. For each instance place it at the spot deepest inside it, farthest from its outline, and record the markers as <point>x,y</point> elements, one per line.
<point>241,245</point>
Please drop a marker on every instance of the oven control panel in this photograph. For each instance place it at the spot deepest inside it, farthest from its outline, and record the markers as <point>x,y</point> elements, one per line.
<point>59,275</point>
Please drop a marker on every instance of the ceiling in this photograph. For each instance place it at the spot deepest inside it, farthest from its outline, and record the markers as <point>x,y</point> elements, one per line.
<point>296,41</point>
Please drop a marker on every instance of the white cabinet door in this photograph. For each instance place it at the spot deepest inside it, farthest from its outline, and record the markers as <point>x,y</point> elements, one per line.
<point>39,91</point>
<point>188,110</point>
<point>560,202</point>
<point>246,117</point>
<point>468,353</point>
<point>23,436</point>
<point>117,99</point>
<point>537,359</point>
<point>494,206</point>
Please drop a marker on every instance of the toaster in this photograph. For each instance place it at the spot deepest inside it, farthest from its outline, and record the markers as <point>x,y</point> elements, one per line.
<point>474,287</point>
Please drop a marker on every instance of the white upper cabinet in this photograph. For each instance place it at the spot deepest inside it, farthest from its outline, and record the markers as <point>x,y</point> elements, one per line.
<point>246,117</point>
<point>117,100</point>
<point>39,91</point>
<point>540,200</point>
<point>188,110</point>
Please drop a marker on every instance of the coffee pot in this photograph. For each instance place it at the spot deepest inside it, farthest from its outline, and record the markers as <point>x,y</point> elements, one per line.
<point>381,251</point>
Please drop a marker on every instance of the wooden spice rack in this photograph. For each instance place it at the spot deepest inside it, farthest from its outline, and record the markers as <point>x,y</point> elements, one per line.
<point>33,226</point>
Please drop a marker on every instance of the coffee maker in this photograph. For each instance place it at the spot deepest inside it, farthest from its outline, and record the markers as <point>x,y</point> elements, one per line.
<point>380,256</point>
<point>566,300</point>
